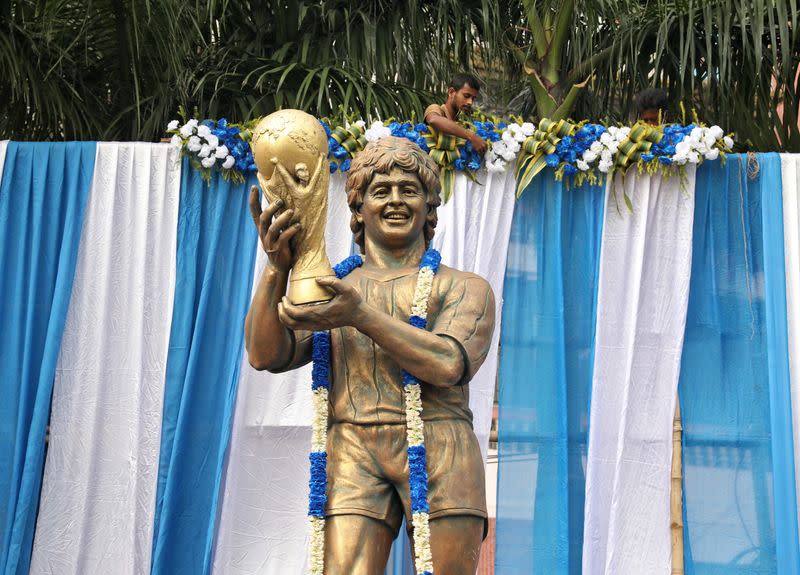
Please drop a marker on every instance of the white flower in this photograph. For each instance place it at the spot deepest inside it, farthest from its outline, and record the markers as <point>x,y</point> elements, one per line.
<point>175,140</point>
<point>229,162</point>
<point>590,155</point>
<point>194,144</point>
<point>203,131</point>
<point>680,158</point>
<point>377,124</point>
<point>187,129</point>
<point>212,140</point>
<point>221,152</point>
<point>612,131</point>
<point>596,147</point>
<point>173,125</point>
<point>519,137</point>
<point>606,138</point>
<point>508,136</point>
<point>623,133</point>
<point>728,141</point>
<point>682,147</point>
<point>693,158</point>
<point>716,132</point>
<point>360,123</point>
<point>605,156</point>
<point>696,134</point>
<point>604,166</point>
<point>208,162</point>
<point>205,150</point>
<point>612,147</point>
<point>582,166</point>
<point>712,154</point>
<point>709,139</point>
<point>499,148</point>
<point>527,128</point>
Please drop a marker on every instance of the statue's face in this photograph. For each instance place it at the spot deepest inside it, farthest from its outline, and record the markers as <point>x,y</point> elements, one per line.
<point>394,209</point>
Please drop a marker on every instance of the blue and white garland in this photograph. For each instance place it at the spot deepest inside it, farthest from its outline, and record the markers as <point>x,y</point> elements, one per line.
<point>417,461</point>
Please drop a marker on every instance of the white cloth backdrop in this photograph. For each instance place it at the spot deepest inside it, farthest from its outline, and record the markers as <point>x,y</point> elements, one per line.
<point>790,174</point>
<point>98,494</point>
<point>3,147</point>
<point>263,527</point>
<point>643,294</point>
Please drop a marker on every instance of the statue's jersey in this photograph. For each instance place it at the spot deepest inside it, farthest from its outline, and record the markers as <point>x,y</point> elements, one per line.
<point>366,383</point>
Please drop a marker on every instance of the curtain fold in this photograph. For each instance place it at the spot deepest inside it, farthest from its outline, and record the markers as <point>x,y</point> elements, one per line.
<point>739,499</point>
<point>645,265</point>
<point>263,527</point>
<point>216,248</point>
<point>98,493</point>
<point>43,194</point>
<point>790,178</point>
<point>545,377</point>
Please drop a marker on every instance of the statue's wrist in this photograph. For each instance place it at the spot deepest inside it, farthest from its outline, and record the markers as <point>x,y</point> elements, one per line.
<point>360,315</point>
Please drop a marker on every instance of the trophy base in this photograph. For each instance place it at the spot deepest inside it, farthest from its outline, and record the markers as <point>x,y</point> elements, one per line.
<point>303,291</point>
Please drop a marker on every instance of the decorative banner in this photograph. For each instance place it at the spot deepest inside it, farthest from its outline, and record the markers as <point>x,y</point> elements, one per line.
<point>98,496</point>
<point>645,265</point>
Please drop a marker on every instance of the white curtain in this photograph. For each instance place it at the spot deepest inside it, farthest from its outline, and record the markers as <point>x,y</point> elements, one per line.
<point>790,175</point>
<point>3,147</point>
<point>263,526</point>
<point>643,293</point>
<point>472,235</point>
<point>98,494</point>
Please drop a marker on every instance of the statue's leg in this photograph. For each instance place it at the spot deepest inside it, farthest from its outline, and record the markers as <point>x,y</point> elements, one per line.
<point>356,545</point>
<point>455,543</point>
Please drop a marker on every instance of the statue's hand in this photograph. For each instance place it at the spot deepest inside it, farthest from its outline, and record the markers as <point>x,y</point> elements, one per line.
<point>275,232</point>
<point>343,309</point>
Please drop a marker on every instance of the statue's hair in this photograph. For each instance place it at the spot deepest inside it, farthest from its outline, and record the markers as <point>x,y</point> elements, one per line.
<point>380,157</point>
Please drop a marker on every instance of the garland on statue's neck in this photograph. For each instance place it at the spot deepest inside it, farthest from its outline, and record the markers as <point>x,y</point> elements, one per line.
<point>418,471</point>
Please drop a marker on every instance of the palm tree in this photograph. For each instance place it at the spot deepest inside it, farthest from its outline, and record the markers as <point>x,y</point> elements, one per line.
<point>103,69</point>
<point>734,62</point>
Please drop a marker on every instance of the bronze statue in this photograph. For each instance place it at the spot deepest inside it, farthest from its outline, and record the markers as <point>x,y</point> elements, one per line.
<point>393,193</point>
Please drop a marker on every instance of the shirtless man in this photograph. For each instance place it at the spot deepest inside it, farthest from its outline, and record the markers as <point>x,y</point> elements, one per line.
<point>393,193</point>
<point>461,96</point>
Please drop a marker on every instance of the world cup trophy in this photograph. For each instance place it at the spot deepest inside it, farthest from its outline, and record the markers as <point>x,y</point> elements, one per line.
<point>286,144</point>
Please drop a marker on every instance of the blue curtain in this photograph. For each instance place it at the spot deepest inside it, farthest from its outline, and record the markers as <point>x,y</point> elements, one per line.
<point>43,196</point>
<point>739,499</point>
<point>546,357</point>
<point>216,251</point>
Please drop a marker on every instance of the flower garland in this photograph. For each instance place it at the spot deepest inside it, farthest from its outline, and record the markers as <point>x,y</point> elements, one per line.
<point>417,461</point>
<point>580,151</point>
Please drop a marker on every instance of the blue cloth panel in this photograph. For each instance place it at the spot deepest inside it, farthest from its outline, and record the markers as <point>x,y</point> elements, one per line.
<point>546,358</point>
<point>43,195</point>
<point>738,465</point>
<point>216,251</point>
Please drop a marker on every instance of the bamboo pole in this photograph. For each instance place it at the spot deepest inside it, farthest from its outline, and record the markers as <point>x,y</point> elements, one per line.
<point>676,493</point>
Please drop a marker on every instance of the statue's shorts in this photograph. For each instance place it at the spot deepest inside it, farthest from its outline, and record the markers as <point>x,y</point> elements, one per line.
<point>368,471</point>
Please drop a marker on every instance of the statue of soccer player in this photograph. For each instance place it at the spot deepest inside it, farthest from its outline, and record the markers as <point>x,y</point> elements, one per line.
<point>393,193</point>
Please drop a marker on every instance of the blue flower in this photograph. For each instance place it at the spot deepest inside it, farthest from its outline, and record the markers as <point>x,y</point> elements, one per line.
<point>209,123</point>
<point>340,153</point>
<point>459,164</point>
<point>344,166</point>
<point>326,128</point>
<point>333,167</point>
<point>422,128</point>
<point>474,165</point>
<point>552,160</point>
<point>665,160</point>
<point>647,157</point>
<point>502,126</point>
<point>570,170</point>
<point>411,135</point>
<point>222,122</point>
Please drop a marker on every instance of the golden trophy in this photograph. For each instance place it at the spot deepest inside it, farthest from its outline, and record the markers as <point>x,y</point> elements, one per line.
<point>286,144</point>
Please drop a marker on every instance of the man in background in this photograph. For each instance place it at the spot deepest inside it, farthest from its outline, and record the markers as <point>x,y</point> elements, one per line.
<point>651,106</point>
<point>461,95</point>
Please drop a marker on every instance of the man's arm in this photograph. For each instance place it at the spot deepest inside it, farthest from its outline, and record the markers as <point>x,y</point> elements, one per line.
<point>437,360</point>
<point>270,344</point>
<point>443,124</point>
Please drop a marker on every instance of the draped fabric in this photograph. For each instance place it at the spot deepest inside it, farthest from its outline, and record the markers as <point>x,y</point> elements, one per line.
<point>99,486</point>
<point>216,248</point>
<point>643,290</point>
<point>790,177</point>
<point>472,236</point>
<point>263,527</point>
<point>546,374</point>
<point>739,498</point>
<point>42,203</point>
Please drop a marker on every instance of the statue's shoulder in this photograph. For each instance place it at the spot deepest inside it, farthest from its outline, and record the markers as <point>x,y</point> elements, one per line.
<point>451,278</point>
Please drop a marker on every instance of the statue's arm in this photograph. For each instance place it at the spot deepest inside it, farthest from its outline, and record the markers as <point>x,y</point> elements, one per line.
<point>270,344</point>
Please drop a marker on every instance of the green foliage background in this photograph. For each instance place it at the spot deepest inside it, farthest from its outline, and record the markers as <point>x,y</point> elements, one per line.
<point>119,69</point>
